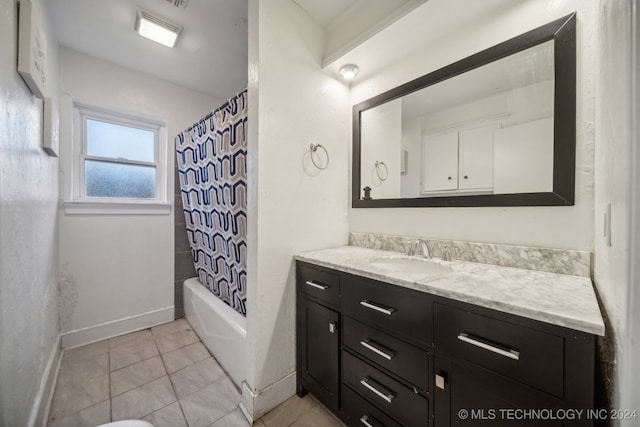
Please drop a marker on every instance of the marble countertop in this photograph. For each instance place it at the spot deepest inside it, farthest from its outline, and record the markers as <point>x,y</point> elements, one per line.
<point>557,299</point>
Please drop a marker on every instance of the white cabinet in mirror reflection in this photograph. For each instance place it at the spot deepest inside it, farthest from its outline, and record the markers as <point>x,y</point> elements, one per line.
<point>523,158</point>
<point>440,162</point>
<point>476,159</point>
<point>459,161</point>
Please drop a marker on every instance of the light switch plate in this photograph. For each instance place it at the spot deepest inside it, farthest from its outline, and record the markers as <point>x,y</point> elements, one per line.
<point>404,162</point>
<point>50,127</point>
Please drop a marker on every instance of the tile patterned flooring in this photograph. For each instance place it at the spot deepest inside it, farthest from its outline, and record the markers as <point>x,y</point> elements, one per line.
<point>166,376</point>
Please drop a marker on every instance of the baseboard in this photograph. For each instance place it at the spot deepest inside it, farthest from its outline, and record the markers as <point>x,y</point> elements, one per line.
<point>41,403</point>
<point>117,327</point>
<point>255,405</point>
<point>246,411</point>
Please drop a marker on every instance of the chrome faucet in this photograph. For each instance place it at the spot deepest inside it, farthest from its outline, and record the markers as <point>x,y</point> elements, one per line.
<point>425,248</point>
<point>410,248</point>
<point>413,245</point>
<point>446,256</point>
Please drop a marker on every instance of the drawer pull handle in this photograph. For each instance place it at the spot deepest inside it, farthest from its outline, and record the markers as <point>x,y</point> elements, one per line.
<point>440,381</point>
<point>317,285</point>
<point>386,310</point>
<point>377,349</point>
<point>380,391</point>
<point>510,353</point>
<point>369,421</point>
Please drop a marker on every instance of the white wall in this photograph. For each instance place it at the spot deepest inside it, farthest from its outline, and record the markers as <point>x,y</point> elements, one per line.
<point>381,130</point>
<point>560,227</point>
<point>292,206</point>
<point>612,157</point>
<point>613,184</point>
<point>412,143</point>
<point>28,233</point>
<point>117,266</point>
<point>629,389</point>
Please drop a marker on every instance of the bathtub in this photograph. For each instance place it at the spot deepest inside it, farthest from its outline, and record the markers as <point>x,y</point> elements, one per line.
<point>222,329</point>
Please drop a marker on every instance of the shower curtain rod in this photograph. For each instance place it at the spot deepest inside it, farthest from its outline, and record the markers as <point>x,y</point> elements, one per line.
<point>208,116</point>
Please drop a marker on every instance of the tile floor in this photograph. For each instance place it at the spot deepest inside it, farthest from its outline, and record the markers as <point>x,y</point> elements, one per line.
<point>166,376</point>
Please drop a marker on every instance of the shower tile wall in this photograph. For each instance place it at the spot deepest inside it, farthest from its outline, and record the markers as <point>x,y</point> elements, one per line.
<point>183,262</point>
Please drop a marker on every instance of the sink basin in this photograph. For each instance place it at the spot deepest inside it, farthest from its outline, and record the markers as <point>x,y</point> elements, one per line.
<point>411,265</point>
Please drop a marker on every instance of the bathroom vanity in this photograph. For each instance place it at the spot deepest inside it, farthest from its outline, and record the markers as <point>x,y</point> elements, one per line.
<point>384,339</point>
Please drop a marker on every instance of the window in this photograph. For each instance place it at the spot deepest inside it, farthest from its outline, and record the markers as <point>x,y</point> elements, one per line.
<point>120,159</point>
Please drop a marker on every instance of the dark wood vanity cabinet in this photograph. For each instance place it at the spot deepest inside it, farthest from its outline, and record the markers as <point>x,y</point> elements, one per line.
<point>473,396</point>
<point>319,359</point>
<point>318,335</point>
<point>383,355</point>
<point>496,369</point>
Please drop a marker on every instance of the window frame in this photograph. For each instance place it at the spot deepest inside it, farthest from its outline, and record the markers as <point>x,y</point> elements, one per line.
<point>80,200</point>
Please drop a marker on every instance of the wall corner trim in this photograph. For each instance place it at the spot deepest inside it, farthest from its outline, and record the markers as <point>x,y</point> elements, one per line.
<point>255,404</point>
<point>42,402</point>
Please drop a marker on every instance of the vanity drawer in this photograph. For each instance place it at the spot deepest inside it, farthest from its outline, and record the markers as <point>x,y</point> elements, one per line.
<point>397,356</point>
<point>526,355</point>
<point>319,283</point>
<point>359,412</point>
<point>403,312</point>
<point>387,394</point>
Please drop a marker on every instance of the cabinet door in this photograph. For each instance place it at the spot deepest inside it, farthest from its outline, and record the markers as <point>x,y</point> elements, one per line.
<point>440,163</point>
<point>318,342</point>
<point>476,158</point>
<point>473,396</point>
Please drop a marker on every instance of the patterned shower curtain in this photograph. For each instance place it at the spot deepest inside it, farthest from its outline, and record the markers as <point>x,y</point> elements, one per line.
<point>212,170</point>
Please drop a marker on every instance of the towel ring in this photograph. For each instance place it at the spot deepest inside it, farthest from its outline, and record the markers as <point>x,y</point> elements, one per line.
<point>314,148</point>
<point>386,170</point>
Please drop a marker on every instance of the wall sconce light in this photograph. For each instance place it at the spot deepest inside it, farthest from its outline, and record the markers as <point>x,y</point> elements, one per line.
<point>349,71</point>
<point>156,29</point>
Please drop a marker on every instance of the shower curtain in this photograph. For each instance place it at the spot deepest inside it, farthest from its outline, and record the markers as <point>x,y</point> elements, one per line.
<point>211,158</point>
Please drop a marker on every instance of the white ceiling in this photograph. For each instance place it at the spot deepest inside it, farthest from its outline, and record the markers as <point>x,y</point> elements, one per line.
<point>429,22</point>
<point>210,55</point>
<point>324,12</point>
<point>349,23</point>
<point>211,52</point>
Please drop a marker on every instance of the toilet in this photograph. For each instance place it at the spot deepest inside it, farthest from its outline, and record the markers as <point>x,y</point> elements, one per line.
<point>127,423</point>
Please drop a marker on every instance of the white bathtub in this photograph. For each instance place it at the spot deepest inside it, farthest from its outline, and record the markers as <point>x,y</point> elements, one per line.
<point>222,329</point>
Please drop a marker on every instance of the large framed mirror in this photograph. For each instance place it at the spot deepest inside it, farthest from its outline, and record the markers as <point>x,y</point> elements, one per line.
<point>495,129</point>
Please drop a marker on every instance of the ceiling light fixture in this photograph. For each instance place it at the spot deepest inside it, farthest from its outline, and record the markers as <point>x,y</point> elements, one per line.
<point>156,29</point>
<point>179,3</point>
<point>349,71</point>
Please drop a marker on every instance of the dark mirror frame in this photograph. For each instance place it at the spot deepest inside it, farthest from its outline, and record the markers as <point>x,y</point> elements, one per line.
<point>563,34</point>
